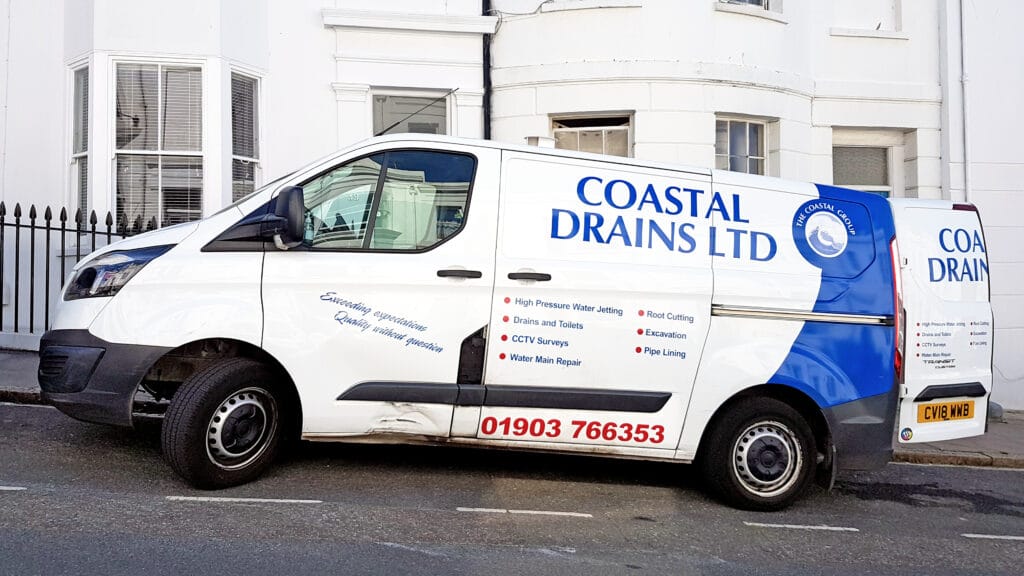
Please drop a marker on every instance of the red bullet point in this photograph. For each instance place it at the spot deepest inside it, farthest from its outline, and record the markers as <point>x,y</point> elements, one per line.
<point>641,312</point>
<point>502,355</point>
<point>640,331</point>
<point>504,318</point>
<point>504,337</point>
<point>507,300</point>
<point>638,349</point>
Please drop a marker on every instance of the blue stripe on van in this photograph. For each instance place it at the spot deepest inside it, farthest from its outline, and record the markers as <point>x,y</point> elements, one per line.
<point>836,363</point>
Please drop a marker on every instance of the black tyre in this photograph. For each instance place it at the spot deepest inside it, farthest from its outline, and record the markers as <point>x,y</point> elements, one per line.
<point>224,424</point>
<point>760,455</point>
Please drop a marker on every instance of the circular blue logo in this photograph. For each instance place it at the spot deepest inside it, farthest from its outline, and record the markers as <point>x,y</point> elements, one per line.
<point>906,434</point>
<point>826,234</point>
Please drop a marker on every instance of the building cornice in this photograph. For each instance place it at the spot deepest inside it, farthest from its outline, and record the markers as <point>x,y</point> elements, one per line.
<point>444,23</point>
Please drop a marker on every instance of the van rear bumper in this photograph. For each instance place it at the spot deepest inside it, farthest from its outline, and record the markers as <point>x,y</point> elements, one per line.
<point>862,431</point>
<point>91,379</point>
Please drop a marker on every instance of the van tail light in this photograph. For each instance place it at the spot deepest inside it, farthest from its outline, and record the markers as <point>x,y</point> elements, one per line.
<point>899,314</point>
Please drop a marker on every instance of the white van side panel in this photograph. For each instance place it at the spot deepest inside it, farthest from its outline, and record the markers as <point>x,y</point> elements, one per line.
<point>187,295</point>
<point>626,308</point>
<point>741,353</point>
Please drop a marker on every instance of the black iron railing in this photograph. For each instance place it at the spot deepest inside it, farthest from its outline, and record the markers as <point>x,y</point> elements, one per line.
<point>29,290</point>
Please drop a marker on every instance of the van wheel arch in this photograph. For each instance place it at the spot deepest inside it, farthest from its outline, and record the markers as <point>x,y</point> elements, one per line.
<point>177,365</point>
<point>822,463</point>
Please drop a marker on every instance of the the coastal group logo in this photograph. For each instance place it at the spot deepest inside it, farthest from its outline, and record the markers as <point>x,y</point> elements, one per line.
<point>834,235</point>
<point>825,233</point>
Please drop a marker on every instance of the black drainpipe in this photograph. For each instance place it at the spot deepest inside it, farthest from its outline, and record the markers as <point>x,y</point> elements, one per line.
<point>487,75</point>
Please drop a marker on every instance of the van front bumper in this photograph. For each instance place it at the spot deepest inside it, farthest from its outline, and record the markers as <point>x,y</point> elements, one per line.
<point>91,379</point>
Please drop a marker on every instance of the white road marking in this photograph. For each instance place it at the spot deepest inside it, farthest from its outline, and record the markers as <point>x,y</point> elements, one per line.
<point>993,537</point>
<point>803,527</point>
<point>26,405</point>
<point>12,488</point>
<point>532,512</point>
<point>242,500</point>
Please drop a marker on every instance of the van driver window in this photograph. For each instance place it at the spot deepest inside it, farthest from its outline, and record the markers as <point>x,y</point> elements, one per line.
<point>420,202</point>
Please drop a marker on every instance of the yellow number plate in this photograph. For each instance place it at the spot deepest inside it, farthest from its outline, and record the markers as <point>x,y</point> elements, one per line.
<point>941,412</point>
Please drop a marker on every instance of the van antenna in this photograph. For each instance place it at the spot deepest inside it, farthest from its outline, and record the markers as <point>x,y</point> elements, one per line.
<point>428,105</point>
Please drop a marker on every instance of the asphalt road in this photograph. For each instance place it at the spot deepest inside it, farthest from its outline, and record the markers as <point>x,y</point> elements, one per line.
<point>83,499</point>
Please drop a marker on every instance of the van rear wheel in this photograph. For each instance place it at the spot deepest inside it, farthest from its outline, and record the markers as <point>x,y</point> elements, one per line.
<point>223,426</point>
<point>759,455</point>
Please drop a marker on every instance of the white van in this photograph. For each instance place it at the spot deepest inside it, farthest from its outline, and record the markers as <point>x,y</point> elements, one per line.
<point>430,289</point>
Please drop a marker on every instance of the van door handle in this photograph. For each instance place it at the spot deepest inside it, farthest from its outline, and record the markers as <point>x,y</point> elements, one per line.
<point>538,276</point>
<point>459,273</point>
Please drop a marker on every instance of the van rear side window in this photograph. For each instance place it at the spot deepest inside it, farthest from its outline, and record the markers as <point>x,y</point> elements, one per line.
<point>421,201</point>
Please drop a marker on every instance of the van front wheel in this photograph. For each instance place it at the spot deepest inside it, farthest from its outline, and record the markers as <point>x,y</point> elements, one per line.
<point>223,425</point>
<point>759,456</point>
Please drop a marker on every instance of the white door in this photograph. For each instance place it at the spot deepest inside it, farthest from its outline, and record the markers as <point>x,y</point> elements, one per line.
<point>396,270</point>
<point>601,305</point>
<point>948,322</point>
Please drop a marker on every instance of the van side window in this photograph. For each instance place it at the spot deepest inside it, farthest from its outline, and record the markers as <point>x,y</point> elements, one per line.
<point>421,201</point>
<point>338,204</point>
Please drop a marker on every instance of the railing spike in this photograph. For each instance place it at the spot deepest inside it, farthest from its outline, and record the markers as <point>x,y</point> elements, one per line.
<point>63,214</point>
<point>110,220</point>
<point>92,218</point>
<point>32,211</point>
<point>17,210</point>
<point>48,215</point>
<point>78,215</point>
<point>3,209</point>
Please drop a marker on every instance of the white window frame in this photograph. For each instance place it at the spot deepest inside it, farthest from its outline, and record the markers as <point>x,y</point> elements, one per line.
<point>449,104</point>
<point>767,130</point>
<point>159,152</point>
<point>893,140</point>
<point>257,129</point>
<point>767,9</point>
<point>78,159</point>
<point>596,116</point>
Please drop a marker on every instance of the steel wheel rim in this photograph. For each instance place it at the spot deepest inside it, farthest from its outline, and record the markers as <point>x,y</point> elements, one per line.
<point>240,428</point>
<point>766,459</point>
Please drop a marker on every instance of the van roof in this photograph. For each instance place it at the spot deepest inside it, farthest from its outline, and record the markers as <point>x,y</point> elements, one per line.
<point>495,144</point>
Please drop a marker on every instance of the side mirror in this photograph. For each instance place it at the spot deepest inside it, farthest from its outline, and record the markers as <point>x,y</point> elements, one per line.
<point>290,212</point>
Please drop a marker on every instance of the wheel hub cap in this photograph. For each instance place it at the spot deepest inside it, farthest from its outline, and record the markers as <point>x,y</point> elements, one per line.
<point>239,428</point>
<point>766,458</point>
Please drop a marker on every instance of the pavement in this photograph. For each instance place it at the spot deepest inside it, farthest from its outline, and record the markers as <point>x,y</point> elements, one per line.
<point>1001,446</point>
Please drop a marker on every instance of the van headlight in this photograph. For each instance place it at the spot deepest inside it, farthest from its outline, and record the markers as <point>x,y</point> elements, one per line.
<point>105,275</point>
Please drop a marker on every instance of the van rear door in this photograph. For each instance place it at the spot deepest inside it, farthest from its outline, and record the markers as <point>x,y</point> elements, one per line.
<point>947,320</point>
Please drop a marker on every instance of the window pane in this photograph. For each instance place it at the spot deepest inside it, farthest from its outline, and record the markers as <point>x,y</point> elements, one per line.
<point>721,137</point>
<point>738,139</point>
<point>138,192</point>
<point>338,204</point>
<point>756,166</point>
<point>243,116</point>
<point>722,162</point>
<point>756,140</point>
<point>738,163</point>
<point>82,164</point>
<point>396,114</point>
<point>567,140</point>
<point>136,124</point>
<point>860,166</point>
<point>243,178</point>
<point>80,139</point>
<point>616,142</point>
<point>423,201</point>
<point>592,141</point>
<point>183,109</point>
<point>181,182</point>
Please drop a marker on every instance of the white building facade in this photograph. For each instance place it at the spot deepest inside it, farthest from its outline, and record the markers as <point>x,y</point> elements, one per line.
<point>162,112</point>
